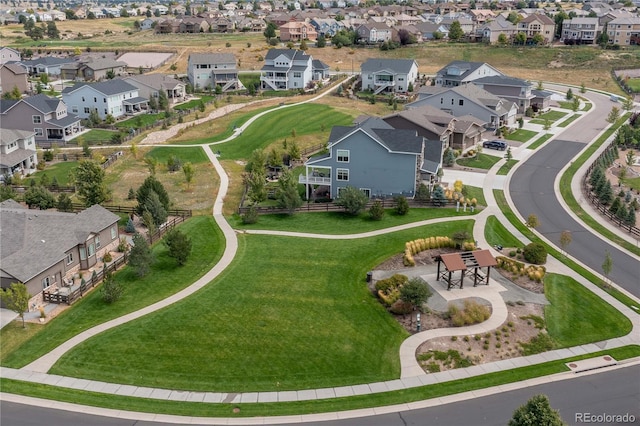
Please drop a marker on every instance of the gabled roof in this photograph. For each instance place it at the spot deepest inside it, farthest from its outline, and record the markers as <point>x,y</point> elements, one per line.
<point>474,94</point>
<point>465,68</point>
<point>319,65</point>
<point>212,58</point>
<point>292,54</point>
<point>394,140</point>
<point>43,102</point>
<point>398,66</point>
<point>502,80</point>
<point>35,240</point>
<point>16,69</point>
<point>109,87</point>
<point>432,156</point>
<point>103,64</point>
<point>538,17</point>
<point>11,135</point>
<point>47,61</point>
<point>155,81</point>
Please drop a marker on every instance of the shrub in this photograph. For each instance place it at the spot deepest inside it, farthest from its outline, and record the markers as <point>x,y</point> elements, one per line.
<point>251,215</point>
<point>122,245</point>
<point>454,338</point>
<point>376,211</point>
<point>107,257</point>
<point>473,313</point>
<point>402,205</point>
<point>47,155</point>
<point>535,253</point>
<point>400,308</point>
<point>538,344</point>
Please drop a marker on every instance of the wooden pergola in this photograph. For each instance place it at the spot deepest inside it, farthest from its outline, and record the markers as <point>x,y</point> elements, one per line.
<point>468,263</point>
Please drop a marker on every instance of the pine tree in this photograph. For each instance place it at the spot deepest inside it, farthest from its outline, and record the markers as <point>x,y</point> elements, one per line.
<point>615,205</point>
<point>622,213</point>
<point>606,194</point>
<point>140,256</point>
<point>631,216</point>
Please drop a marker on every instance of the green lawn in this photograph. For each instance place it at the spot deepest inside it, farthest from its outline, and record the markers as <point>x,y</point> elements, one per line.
<point>587,106</point>
<point>577,316</point>
<point>194,155</point>
<point>163,280</point>
<point>58,170</point>
<point>289,313</point>
<point>279,125</point>
<point>236,410</point>
<point>552,116</point>
<point>96,136</point>
<point>632,182</point>
<point>538,142</point>
<point>569,120</point>
<point>521,135</point>
<point>343,223</point>
<point>250,79</point>
<point>194,103</point>
<point>475,192</point>
<point>139,121</point>
<point>496,234</point>
<point>595,279</point>
<point>508,165</point>
<point>481,161</point>
<point>566,104</point>
<point>634,84</point>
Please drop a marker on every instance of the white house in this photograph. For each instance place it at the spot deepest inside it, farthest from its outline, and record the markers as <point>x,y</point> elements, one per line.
<point>18,149</point>
<point>112,97</point>
<point>213,69</point>
<point>388,75</point>
<point>8,54</point>
<point>462,72</point>
<point>286,69</point>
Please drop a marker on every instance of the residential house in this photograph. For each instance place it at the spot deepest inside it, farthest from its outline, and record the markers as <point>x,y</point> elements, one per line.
<point>112,97</point>
<point>327,27</point>
<point>297,31</point>
<point>373,157</point>
<point>320,70</point>
<point>45,116</point>
<point>388,75</point>
<point>46,249</point>
<point>482,16</point>
<point>535,24</point>
<point>466,24</point>
<point>213,69</point>
<point>13,75</point>
<point>541,100</point>
<point>151,85</point>
<point>286,69</point>
<point>221,25</point>
<point>8,54</point>
<point>469,99</point>
<point>18,152</point>
<point>490,31</point>
<point>374,32</point>
<point>146,24</point>
<point>434,124</point>
<point>93,69</point>
<point>580,31</point>
<point>168,26</point>
<point>430,30</point>
<point>624,31</point>
<point>193,25</point>
<point>513,89</point>
<point>97,12</point>
<point>457,73</point>
<point>49,65</point>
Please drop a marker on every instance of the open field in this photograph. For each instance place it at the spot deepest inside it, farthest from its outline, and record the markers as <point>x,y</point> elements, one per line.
<point>575,65</point>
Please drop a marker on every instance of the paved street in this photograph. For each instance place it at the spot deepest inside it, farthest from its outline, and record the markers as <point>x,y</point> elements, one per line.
<point>532,191</point>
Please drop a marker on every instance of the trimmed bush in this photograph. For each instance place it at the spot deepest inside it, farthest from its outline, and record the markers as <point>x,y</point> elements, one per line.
<point>473,313</point>
<point>535,253</point>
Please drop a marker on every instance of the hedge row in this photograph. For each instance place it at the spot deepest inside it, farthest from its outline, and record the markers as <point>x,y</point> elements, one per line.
<point>421,244</point>
<point>535,273</point>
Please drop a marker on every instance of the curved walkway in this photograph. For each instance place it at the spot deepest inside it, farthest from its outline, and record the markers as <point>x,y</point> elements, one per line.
<point>411,377</point>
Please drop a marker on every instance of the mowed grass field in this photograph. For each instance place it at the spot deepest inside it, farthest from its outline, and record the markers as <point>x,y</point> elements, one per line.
<point>574,65</point>
<point>289,313</point>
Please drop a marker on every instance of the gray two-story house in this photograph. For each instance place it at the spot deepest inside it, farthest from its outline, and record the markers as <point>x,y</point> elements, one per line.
<point>512,89</point>
<point>457,73</point>
<point>208,70</point>
<point>388,75</point>
<point>17,152</point>
<point>45,116</point>
<point>373,157</point>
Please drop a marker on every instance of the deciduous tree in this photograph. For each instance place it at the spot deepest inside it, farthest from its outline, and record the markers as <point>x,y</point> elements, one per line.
<point>89,183</point>
<point>537,411</point>
<point>16,298</point>
<point>415,292</point>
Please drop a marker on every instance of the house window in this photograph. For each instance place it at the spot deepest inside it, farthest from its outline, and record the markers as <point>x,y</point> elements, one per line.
<point>69,258</point>
<point>46,282</point>
<point>83,253</point>
<point>366,191</point>
<point>87,110</point>
<point>104,100</point>
<point>95,99</point>
<point>97,241</point>
<point>343,155</point>
<point>83,99</point>
<point>297,74</point>
<point>38,131</point>
<point>461,102</point>
<point>342,174</point>
<point>105,111</point>
<point>114,234</point>
<point>92,250</point>
<point>74,109</point>
<point>36,119</point>
<point>441,100</point>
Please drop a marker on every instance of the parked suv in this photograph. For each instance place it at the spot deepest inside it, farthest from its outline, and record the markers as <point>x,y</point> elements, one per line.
<point>500,145</point>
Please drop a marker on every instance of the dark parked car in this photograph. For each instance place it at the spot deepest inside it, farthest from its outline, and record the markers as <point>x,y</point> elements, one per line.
<point>500,145</point>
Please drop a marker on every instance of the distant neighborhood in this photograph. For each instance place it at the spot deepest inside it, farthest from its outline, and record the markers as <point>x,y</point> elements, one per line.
<point>591,22</point>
